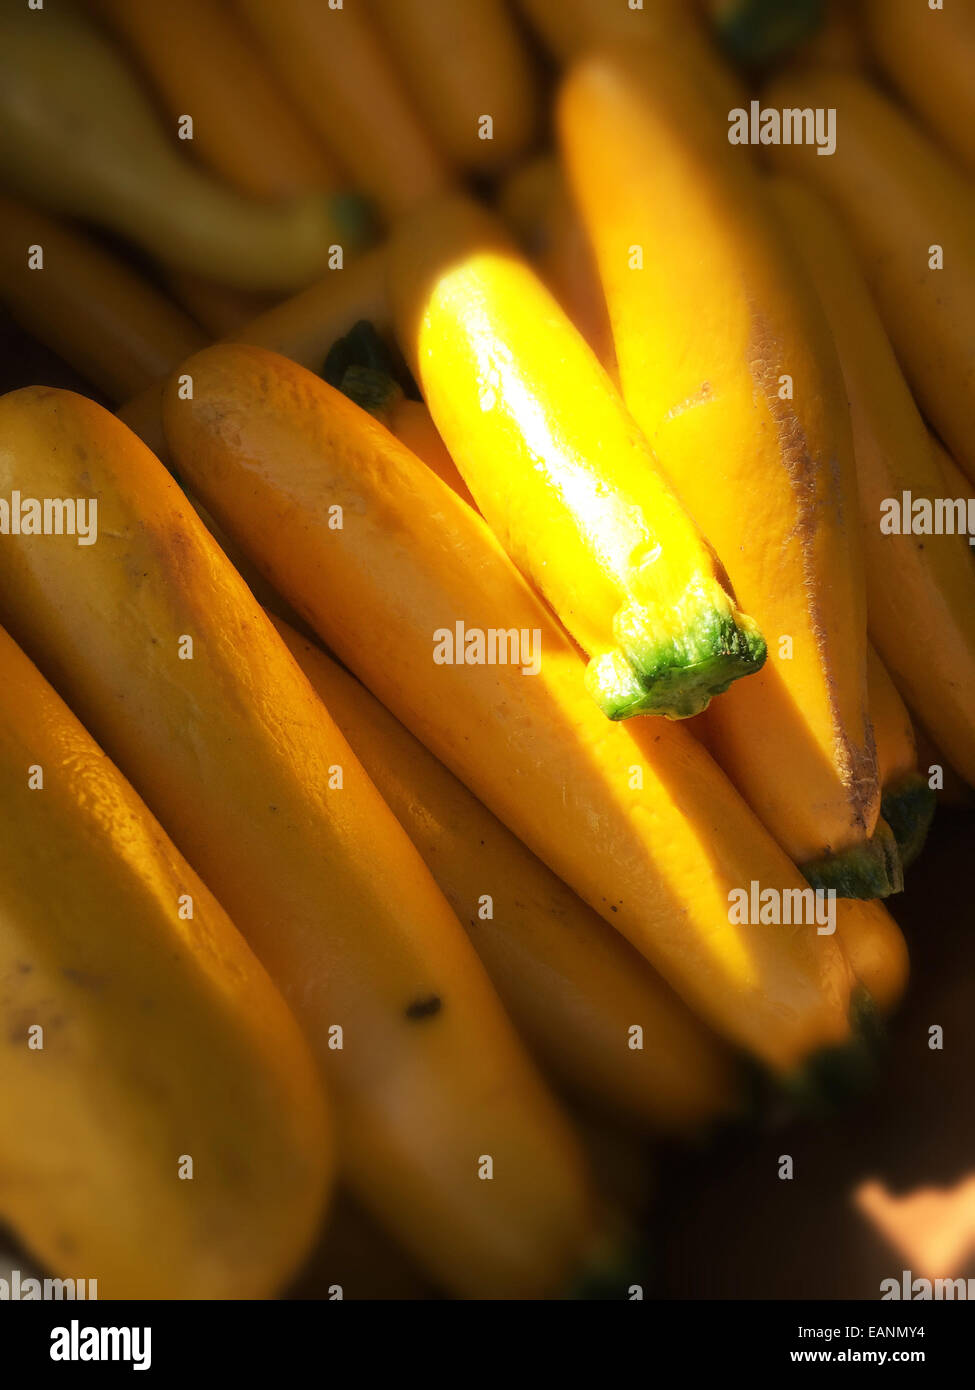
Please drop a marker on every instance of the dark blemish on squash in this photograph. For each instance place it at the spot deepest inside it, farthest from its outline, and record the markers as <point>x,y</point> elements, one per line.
<point>22,967</point>
<point>613,907</point>
<point>424,1008</point>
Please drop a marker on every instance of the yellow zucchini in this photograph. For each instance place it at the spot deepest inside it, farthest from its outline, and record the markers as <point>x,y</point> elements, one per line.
<point>78,136</point>
<point>634,816</point>
<point>243,765</point>
<point>89,307</point>
<point>875,947</point>
<point>574,988</point>
<point>164,1131</point>
<point>911,214</point>
<point>202,62</point>
<point>339,73</point>
<point>463,63</point>
<point>559,470</point>
<point>928,53</point>
<point>920,589</point>
<point>727,365</point>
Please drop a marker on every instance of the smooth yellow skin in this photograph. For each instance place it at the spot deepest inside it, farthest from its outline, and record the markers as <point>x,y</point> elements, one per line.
<point>898,195</point>
<point>572,986</point>
<point>929,55</point>
<point>541,437</point>
<point>235,754</point>
<point>162,1037</point>
<point>270,448</point>
<point>78,135</point>
<point>459,63</point>
<point>89,307</point>
<point>920,589</point>
<point>703,334</point>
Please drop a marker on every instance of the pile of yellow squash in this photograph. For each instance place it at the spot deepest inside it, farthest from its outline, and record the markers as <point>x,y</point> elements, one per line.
<point>482,714</point>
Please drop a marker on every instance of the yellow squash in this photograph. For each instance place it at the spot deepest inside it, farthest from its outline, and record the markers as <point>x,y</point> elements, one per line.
<point>920,589</point>
<point>78,135</point>
<point>338,71</point>
<point>560,471</point>
<point>163,652</point>
<point>201,61</point>
<point>634,816</point>
<point>574,988</point>
<point>88,306</point>
<point>875,947</point>
<point>139,1034</point>
<point>908,208</point>
<point>727,365</point>
<point>462,63</point>
<point>928,53</point>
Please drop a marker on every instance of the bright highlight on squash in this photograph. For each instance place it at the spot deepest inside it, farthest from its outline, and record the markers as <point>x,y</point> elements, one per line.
<point>561,472</point>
